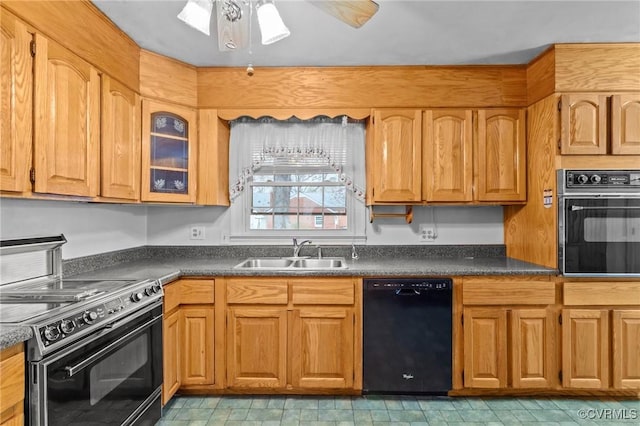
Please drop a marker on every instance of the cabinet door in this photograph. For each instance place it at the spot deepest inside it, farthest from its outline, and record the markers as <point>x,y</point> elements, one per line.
<point>16,84</point>
<point>626,349</point>
<point>625,124</point>
<point>448,159</point>
<point>485,348</point>
<point>322,348</point>
<point>397,156</point>
<point>168,152</point>
<point>171,355</point>
<point>67,122</point>
<point>198,347</point>
<point>120,145</point>
<point>501,155</point>
<point>257,347</point>
<point>585,348</point>
<point>532,348</point>
<point>583,124</point>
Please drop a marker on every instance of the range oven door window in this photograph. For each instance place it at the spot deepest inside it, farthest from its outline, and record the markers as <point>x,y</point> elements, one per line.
<point>602,236</point>
<point>105,381</point>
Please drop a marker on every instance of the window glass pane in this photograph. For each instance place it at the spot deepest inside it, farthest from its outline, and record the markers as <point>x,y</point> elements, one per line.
<point>262,196</point>
<point>335,196</point>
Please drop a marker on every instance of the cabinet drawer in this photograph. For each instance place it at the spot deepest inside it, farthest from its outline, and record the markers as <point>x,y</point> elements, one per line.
<point>322,292</point>
<point>171,296</point>
<point>12,374</point>
<point>508,293</point>
<point>196,291</point>
<point>601,293</point>
<point>253,291</point>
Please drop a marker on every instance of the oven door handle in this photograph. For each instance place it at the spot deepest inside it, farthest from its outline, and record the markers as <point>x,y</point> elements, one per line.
<point>75,369</point>
<point>575,208</point>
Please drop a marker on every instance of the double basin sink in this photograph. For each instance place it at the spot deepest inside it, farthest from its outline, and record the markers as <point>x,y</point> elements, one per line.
<point>293,263</point>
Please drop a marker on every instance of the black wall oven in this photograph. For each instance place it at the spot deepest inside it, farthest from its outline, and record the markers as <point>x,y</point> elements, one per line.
<point>599,222</point>
<point>114,377</point>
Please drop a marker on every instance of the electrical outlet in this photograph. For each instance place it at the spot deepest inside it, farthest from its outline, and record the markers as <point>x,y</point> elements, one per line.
<point>426,233</point>
<point>196,233</point>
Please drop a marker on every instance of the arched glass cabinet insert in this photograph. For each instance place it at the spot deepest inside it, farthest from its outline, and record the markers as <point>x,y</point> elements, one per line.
<point>168,165</point>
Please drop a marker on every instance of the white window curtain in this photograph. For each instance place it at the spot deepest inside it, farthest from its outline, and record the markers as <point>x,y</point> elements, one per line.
<point>336,144</point>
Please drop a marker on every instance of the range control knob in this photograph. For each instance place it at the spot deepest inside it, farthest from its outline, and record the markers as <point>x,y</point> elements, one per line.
<point>156,288</point>
<point>67,326</point>
<point>52,333</point>
<point>583,179</point>
<point>136,297</point>
<point>595,179</point>
<point>148,291</point>
<point>89,317</point>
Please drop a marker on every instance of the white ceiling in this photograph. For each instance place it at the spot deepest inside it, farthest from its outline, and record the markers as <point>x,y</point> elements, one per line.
<point>419,32</point>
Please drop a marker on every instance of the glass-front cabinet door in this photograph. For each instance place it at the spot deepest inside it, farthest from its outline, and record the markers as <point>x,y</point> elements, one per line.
<point>168,158</point>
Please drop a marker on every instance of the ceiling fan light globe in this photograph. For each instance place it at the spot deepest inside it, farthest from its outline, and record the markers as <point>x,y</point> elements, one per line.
<point>272,28</point>
<point>197,14</point>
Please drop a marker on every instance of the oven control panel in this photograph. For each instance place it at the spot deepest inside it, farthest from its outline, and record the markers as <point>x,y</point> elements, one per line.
<point>99,314</point>
<point>602,178</point>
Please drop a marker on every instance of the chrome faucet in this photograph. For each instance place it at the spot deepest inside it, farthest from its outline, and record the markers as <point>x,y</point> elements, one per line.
<point>297,247</point>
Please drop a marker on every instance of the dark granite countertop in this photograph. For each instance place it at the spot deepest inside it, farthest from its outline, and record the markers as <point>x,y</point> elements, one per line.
<point>169,263</point>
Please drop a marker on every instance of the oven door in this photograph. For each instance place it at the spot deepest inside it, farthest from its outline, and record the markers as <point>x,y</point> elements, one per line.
<point>600,236</point>
<point>114,379</point>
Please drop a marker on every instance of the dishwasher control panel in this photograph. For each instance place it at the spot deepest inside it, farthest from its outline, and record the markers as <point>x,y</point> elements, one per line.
<point>416,284</point>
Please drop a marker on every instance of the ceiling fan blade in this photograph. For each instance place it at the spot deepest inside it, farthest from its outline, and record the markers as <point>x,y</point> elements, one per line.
<point>353,12</point>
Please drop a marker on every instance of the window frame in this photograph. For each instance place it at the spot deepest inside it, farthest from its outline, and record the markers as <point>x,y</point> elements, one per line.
<point>240,212</point>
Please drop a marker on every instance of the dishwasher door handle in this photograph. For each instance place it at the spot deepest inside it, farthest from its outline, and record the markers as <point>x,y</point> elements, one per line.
<point>407,292</point>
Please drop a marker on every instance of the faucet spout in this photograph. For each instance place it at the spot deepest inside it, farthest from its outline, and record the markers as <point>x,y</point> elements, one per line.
<point>298,246</point>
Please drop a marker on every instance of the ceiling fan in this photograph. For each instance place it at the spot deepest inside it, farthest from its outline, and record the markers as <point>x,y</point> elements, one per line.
<point>233,18</point>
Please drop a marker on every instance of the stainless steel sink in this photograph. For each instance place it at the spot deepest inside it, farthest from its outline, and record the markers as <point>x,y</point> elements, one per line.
<point>324,263</point>
<point>265,263</point>
<point>292,263</point>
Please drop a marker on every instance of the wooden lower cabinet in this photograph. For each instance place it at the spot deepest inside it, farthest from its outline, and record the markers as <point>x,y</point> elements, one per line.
<point>485,348</point>
<point>294,334</point>
<point>257,347</point>
<point>12,386</point>
<point>601,335</point>
<point>626,349</point>
<point>197,340</point>
<point>171,355</point>
<point>189,336</point>
<point>509,333</point>
<point>321,350</point>
<point>501,343</point>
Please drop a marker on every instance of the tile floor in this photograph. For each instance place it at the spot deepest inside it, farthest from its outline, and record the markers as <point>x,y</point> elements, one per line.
<point>395,410</point>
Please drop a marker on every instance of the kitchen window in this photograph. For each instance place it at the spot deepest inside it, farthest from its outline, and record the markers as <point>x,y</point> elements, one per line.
<point>296,178</point>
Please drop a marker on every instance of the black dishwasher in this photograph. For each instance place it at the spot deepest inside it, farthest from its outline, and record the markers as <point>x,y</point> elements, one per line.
<point>407,336</point>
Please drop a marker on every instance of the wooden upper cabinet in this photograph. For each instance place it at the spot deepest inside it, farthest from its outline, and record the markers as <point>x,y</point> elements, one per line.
<point>67,122</point>
<point>448,155</point>
<point>583,124</point>
<point>213,159</point>
<point>16,91</point>
<point>169,163</point>
<point>625,124</point>
<point>121,116</point>
<point>397,156</point>
<point>501,155</point>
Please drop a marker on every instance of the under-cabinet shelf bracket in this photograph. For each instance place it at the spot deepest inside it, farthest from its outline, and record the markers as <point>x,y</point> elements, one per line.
<point>408,214</point>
